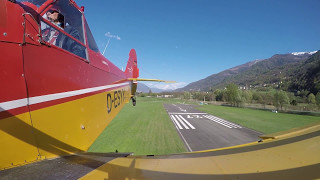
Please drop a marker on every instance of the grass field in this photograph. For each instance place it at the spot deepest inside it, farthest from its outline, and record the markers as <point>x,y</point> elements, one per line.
<point>143,129</point>
<point>146,128</point>
<point>259,120</point>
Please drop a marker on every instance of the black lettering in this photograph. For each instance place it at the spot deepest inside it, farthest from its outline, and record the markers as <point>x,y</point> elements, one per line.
<point>119,99</point>
<point>115,95</point>
<point>109,103</point>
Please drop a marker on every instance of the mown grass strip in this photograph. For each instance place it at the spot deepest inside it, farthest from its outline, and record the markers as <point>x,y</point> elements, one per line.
<point>259,120</point>
<point>143,129</point>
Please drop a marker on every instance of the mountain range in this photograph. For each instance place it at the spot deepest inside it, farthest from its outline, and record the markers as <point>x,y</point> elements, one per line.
<point>279,70</point>
<point>145,89</point>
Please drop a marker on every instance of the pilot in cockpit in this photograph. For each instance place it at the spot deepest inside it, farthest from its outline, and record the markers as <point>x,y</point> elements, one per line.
<point>51,34</point>
<point>57,38</point>
<point>56,17</point>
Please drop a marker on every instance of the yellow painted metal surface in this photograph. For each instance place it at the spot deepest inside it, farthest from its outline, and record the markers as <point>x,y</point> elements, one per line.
<point>297,156</point>
<point>17,141</point>
<point>157,80</point>
<point>60,129</point>
<point>290,132</point>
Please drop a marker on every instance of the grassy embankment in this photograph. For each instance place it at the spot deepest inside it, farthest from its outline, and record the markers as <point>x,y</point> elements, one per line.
<point>143,129</point>
<point>259,120</point>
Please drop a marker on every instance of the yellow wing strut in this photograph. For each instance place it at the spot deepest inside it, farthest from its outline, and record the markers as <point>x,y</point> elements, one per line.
<point>157,80</point>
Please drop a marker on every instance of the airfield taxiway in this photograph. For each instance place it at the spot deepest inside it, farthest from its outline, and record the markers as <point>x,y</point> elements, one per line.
<point>202,131</point>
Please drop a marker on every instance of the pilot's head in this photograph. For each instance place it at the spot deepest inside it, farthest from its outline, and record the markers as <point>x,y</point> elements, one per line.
<point>55,16</point>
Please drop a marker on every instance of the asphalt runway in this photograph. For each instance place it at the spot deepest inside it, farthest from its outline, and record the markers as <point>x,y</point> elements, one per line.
<point>202,131</point>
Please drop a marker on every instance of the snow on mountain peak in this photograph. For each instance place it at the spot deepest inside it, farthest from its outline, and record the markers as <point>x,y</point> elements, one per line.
<point>301,53</point>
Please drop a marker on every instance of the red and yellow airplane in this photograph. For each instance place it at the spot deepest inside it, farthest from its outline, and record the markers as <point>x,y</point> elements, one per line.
<point>55,100</point>
<point>58,93</point>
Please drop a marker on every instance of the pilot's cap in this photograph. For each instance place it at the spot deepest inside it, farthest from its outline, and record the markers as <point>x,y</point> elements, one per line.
<point>54,9</point>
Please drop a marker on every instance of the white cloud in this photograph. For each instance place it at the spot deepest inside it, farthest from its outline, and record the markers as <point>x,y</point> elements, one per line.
<point>109,35</point>
<point>167,86</point>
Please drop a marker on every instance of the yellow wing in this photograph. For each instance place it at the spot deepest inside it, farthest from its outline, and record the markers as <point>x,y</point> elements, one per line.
<point>157,80</point>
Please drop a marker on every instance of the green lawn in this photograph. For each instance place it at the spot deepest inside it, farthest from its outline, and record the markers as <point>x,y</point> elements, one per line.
<point>147,128</point>
<point>143,129</point>
<point>259,120</point>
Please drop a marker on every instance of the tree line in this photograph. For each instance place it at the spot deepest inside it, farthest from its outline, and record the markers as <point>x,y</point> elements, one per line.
<point>232,95</point>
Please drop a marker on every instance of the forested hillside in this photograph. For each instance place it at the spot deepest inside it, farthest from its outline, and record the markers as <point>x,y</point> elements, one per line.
<point>289,72</point>
<point>306,76</point>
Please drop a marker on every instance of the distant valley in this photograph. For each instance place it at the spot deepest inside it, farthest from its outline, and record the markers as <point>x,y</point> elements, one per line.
<point>145,89</point>
<point>281,70</point>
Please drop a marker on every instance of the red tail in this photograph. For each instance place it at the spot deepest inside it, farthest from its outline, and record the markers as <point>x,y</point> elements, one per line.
<point>132,70</point>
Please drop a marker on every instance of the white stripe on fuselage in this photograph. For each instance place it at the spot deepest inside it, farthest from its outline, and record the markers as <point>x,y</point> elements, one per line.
<point>4,106</point>
<point>13,104</point>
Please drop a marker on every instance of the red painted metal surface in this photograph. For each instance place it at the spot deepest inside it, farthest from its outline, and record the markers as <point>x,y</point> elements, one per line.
<point>11,72</point>
<point>31,68</point>
<point>48,92</point>
<point>12,77</point>
<point>11,27</point>
<point>132,67</point>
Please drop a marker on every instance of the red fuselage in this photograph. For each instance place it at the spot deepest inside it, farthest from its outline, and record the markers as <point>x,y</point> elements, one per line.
<point>52,100</point>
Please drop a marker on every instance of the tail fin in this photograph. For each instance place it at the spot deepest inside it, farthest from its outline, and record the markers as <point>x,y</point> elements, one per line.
<point>132,70</point>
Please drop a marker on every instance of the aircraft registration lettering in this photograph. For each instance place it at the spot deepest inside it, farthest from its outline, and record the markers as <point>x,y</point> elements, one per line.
<point>115,99</point>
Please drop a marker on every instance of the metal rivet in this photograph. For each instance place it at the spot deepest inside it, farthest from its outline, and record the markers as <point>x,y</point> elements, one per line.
<point>5,34</point>
<point>82,126</point>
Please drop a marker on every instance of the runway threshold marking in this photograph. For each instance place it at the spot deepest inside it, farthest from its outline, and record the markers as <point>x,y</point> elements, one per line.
<point>175,122</point>
<point>187,122</point>
<point>178,118</point>
<point>185,113</point>
<point>222,122</point>
<point>178,127</point>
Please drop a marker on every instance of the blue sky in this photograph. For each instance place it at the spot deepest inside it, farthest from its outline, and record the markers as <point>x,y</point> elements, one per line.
<point>188,40</point>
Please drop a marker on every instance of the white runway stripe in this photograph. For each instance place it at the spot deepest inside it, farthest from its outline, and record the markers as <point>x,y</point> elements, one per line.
<point>226,122</point>
<point>178,126</point>
<point>183,124</point>
<point>222,122</point>
<point>218,122</point>
<point>185,113</point>
<point>192,127</point>
<point>180,122</point>
<point>175,122</point>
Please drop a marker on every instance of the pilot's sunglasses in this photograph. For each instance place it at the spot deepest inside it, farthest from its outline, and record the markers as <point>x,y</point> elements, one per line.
<point>53,11</point>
